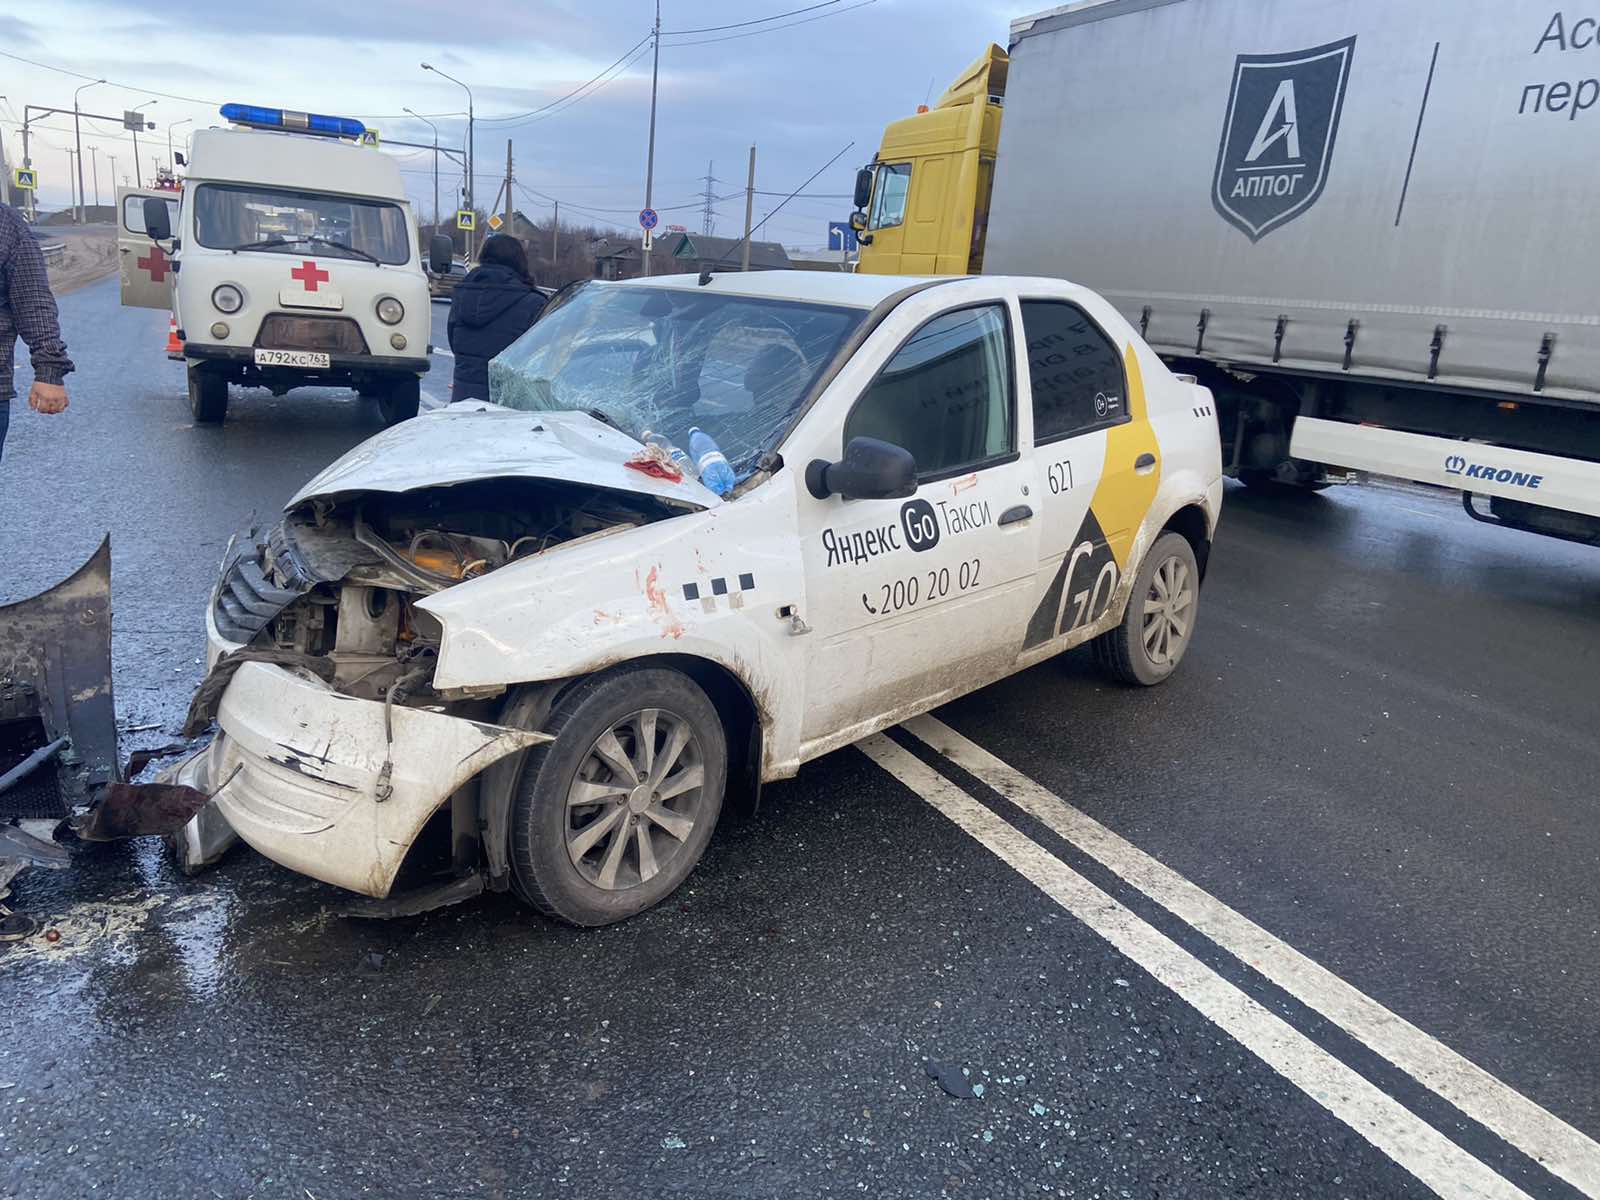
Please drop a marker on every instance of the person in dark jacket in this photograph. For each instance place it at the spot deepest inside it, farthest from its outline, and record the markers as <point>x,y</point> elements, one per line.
<point>28,308</point>
<point>492,307</point>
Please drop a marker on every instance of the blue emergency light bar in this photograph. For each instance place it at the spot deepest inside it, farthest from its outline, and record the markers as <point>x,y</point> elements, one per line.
<point>257,117</point>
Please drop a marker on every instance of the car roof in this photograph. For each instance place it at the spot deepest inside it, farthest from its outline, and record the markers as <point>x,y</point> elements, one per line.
<point>855,291</point>
<point>815,287</point>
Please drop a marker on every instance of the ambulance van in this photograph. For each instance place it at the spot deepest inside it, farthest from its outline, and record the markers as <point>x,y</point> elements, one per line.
<point>291,260</point>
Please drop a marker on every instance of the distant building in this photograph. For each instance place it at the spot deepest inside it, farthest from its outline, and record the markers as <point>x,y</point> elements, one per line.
<point>821,260</point>
<point>703,252</point>
<point>683,254</point>
<point>616,258</point>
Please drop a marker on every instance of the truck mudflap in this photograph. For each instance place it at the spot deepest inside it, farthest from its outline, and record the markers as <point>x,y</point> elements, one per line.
<point>56,706</point>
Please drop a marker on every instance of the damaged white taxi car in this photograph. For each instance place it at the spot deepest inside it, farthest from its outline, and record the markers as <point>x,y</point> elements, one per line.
<point>528,633</point>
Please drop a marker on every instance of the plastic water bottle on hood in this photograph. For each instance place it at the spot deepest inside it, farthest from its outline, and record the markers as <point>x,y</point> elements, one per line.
<point>679,459</point>
<point>713,466</point>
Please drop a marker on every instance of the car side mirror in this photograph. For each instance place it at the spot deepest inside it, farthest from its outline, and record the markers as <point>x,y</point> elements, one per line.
<point>440,251</point>
<point>863,187</point>
<point>858,221</point>
<point>157,220</point>
<point>870,470</point>
<point>180,160</point>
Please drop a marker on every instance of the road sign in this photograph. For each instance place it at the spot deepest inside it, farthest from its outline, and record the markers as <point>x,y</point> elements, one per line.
<point>495,222</point>
<point>677,229</point>
<point>649,240</point>
<point>841,236</point>
<point>26,179</point>
<point>648,218</point>
<point>466,219</point>
<point>370,138</point>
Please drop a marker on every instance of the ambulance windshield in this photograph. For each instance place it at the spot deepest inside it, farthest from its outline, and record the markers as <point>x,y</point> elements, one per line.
<point>666,360</point>
<point>248,217</point>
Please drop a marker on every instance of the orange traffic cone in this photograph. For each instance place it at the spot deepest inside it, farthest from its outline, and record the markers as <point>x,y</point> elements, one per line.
<point>174,346</point>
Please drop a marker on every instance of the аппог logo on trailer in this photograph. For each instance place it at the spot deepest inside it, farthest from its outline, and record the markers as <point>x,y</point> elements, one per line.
<point>1277,136</point>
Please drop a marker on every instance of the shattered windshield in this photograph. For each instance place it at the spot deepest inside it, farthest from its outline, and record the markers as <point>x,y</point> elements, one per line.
<point>665,360</point>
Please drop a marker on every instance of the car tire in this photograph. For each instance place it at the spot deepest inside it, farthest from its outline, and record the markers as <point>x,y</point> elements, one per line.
<point>208,396</point>
<point>1158,624</point>
<point>591,846</point>
<point>400,400</point>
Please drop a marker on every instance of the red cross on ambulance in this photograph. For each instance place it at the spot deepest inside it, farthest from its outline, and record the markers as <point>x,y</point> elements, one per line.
<point>310,286</point>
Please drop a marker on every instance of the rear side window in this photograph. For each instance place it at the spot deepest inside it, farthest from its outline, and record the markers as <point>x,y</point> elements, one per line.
<point>945,395</point>
<point>1076,371</point>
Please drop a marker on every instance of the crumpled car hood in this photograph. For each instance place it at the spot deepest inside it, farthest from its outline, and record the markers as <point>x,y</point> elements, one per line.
<point>484,441</point>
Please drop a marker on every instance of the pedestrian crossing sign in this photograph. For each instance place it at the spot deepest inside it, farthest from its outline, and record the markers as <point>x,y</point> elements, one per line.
<point>496,221</point>
<point>369,137</point>
<point>26,179</point>
<point>466,219</point>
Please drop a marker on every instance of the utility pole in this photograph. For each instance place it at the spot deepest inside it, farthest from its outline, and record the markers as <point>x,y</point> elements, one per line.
<point>749,207</point>
<point>507,217</point>
<point>94,161</point>
<point>650,155</point>
<point>71,187</point>
<point>113,159</point>
<point>27,161</point>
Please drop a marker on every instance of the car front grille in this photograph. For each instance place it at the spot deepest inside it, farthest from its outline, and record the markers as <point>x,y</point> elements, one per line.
<point>333,335</point>
<point>246,601</point>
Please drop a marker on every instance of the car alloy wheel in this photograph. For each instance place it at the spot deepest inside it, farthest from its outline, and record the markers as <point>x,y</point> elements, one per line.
<point>635,799</point>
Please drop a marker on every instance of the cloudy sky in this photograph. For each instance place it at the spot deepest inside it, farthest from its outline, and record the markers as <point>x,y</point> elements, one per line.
<point>799,87</point>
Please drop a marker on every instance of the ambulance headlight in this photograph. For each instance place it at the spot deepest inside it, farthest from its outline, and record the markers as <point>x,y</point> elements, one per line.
<point>227,298</point>
<point>391,311</point>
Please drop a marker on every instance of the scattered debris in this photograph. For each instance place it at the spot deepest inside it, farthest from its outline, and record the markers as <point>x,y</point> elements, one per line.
<point>673,1142</point>
<point>433,1003</point>
<point>372,961</point>
<point>952,1079</point>
<point>52,936</point>
<point>140,759</point>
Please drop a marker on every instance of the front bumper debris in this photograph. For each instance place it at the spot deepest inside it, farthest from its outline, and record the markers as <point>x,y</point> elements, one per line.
<point>297,771</point>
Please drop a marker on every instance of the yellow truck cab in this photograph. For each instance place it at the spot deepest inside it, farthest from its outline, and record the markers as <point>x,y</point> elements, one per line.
<point>924,201</point>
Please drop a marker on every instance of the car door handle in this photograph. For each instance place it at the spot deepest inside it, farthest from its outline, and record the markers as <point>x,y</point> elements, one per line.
<point>1017,512</point>
<point>1144,463</point>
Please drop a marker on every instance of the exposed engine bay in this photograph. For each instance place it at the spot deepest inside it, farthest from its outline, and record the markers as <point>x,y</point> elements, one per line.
<point>332,588</point>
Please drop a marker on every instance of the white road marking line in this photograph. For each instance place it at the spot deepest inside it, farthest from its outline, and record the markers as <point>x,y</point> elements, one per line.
<point>1412,1143</point>
<point>1542,1136</point>
<point>443,351</point>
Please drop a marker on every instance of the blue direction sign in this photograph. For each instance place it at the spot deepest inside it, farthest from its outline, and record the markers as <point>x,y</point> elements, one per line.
<point>648,218</point>
<point>841,236</point>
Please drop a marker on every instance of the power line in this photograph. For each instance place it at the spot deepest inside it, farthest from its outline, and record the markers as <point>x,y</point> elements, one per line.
<point>757,21</point>
<point>838,12</point>
<point>622,61</point>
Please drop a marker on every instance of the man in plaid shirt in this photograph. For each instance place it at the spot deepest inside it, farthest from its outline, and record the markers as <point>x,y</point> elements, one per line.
<point>28,308</point>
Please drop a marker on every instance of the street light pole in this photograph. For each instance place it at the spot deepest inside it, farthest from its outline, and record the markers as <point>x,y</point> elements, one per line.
<point>435,129</point>
<point>77,137</point>
<point>94,161</point>
<point>472,153</point>
<point>138,180</point>
<point>650,154</point>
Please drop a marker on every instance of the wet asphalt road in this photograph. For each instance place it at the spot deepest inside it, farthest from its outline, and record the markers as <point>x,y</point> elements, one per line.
<point>1380,749</point>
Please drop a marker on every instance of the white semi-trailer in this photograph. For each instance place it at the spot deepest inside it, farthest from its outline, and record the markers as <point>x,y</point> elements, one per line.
<point>1366,226</point>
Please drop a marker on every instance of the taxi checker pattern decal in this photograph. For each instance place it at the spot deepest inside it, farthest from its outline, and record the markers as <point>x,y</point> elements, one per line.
<point>1097,557</point>
<point>719,588</point>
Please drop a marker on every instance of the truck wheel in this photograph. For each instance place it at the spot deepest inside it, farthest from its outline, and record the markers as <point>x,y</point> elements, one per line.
<point>610,818</point>
<point>208,396</point>
<point>1159,621</point>
<point>400,401</point>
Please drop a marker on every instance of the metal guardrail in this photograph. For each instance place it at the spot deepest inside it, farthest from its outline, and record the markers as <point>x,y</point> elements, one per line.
<point>55,253</point>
